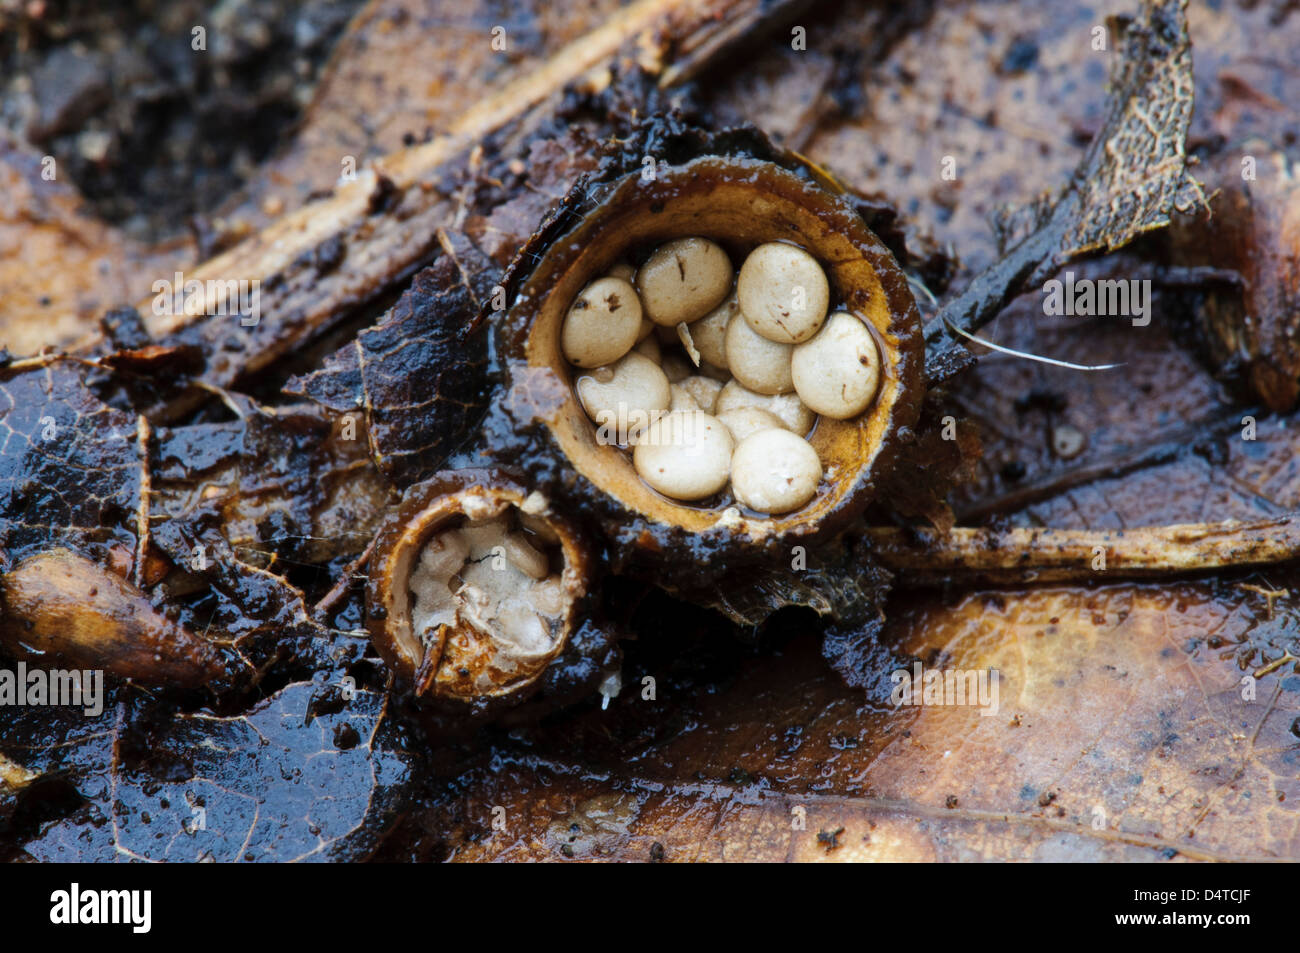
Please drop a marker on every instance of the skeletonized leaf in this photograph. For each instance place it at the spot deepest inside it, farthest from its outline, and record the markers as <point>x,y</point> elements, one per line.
<point>1135,174</point>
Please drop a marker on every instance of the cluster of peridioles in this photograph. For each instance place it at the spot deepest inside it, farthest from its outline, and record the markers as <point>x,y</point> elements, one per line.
<point>754,358</point>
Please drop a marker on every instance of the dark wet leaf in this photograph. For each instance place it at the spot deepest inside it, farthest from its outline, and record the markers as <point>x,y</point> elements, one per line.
<point>281,483</point>
<point>73,471</point>
<point>70,466</point>
<point>419,376</point>
<point>283,782</point>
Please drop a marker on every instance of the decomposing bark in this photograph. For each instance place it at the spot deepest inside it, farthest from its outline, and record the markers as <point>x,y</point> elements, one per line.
<point>1250,323</point>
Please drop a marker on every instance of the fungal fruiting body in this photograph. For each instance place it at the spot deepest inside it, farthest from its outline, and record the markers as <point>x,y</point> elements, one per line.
<point>836,372</point>
<point>685,454</point>
<point>752,352</point>
<point>774,471</point>
<point>683,280</point>
<point>629,393</point>
<point>477,585</point>
<point>489,584</point>
<point>737,262</point>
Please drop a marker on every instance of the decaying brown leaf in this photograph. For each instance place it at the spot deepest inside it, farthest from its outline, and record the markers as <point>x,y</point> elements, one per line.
<point>1124,728</point>
<point>289,780</point>
<point>416,380</point>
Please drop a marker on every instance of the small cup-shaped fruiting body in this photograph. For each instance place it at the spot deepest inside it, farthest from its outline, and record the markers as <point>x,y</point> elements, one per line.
<point>685,455</point>
<point>760,364</point>
<point>741,203</point>
<point>788,408</point>
<point>602,324</point>
<point>837,372</point>
<point>683,280</point>
<point>743,421</point>
<point>783,292</point>
<point>773,471</point>
<point>475,586</point>
<point>628,394</point>
<point>709,333</point>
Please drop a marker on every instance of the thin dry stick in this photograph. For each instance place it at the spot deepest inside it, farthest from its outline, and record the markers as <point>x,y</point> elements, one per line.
<point>1055,555</point>
<point>143,433</point>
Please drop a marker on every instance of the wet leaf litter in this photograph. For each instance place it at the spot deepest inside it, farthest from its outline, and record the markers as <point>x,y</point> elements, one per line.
<point>317,646</point>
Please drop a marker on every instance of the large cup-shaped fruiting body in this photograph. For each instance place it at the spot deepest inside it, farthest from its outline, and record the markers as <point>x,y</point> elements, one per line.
<point>475,587</point>
<point>739,202</point>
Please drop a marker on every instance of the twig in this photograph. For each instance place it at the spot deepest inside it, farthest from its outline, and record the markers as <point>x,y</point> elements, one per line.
<point>143,433</point>
<point>1120,462</point>
<point>965,554</point>
<point>331,598</point>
